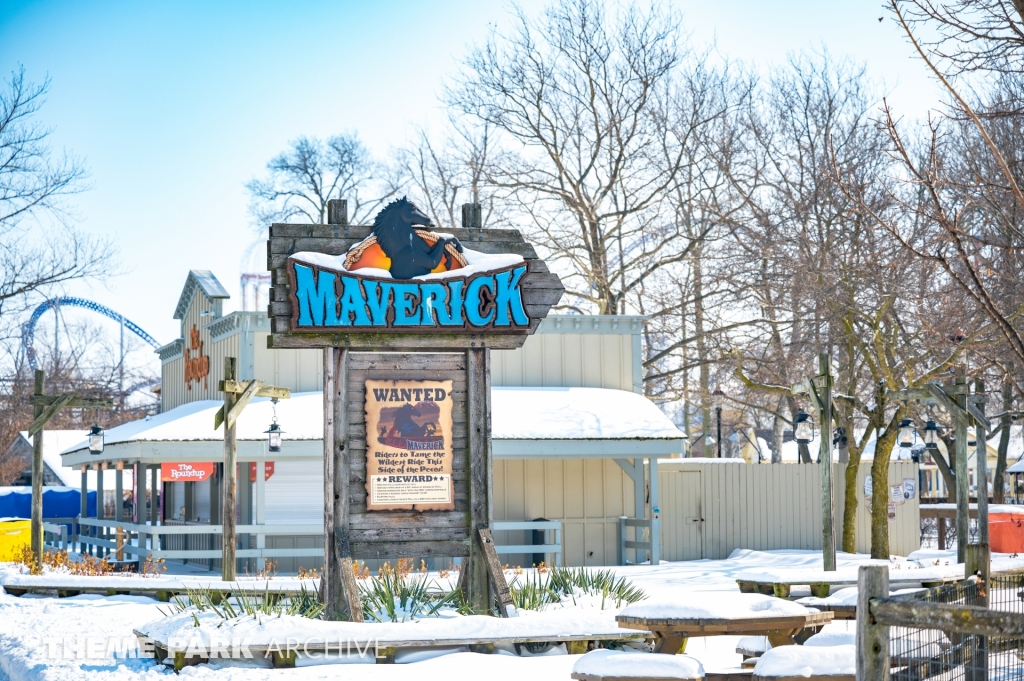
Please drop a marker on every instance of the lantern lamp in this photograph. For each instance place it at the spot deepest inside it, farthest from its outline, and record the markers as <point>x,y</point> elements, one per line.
<point>274,437</point>
<point>803,429</point>
<point>95,440</point>
<point>906,433</point>
<point>931,435</point>
<point>274,432</point>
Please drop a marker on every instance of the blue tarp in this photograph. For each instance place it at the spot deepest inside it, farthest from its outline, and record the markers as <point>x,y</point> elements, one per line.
<point>58,502</point>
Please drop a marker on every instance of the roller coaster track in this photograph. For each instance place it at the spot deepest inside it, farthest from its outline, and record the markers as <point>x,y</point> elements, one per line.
<point>28,330</point>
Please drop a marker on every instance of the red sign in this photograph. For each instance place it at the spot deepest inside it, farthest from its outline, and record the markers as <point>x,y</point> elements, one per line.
<point>186,472</point>
<point>268,470</point>
<point>198,366</point>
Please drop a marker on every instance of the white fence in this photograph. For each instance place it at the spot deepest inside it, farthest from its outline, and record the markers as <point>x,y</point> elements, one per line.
<point>710,509</point>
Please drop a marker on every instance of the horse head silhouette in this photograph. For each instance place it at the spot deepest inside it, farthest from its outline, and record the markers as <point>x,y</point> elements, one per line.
<point>411,256</point>
<point>403,423</point>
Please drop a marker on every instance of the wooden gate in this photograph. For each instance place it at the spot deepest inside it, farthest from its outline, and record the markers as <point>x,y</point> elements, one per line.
<point>682,526</point>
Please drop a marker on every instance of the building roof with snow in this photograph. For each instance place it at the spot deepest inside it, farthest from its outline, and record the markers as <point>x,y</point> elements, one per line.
<point>523,420</point>
<point>56,471</point>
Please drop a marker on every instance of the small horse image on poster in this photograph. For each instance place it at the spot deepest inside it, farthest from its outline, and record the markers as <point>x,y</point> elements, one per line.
<point>409,445</point>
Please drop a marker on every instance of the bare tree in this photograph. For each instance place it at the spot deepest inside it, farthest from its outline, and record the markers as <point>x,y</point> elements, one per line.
<point>443,174</point>
<point>974,37</point>
<point>39,250</point>
<point>310,172</point>
<point>968,35</point>
<point>585,105</point>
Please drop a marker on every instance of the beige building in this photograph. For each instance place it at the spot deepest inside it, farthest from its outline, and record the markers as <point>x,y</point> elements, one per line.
<point>575,445</point>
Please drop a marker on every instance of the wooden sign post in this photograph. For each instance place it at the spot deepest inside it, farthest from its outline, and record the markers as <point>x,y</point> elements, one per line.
<point>407,418</point>
<point>237,395</point>
<point>46,407</point>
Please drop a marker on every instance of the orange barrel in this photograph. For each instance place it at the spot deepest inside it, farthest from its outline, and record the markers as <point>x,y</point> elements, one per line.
<point>1006,532</point>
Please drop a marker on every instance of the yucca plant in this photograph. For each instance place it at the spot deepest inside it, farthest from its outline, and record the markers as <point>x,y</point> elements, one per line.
<point>532,594</point>
<point>304,604</point>
<point>567,582</point>
<point>397,596</point>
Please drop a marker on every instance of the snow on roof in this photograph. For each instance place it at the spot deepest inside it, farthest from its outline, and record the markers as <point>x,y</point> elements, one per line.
<point>206,282</point>
<point>57,441</point>
<point>576,414</point>
<point>1017,467</point>
<point>517,413</point>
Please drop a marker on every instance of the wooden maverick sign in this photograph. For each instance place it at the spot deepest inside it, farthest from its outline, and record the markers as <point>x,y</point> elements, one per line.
<point>407,317</point>
<point>409,446</point>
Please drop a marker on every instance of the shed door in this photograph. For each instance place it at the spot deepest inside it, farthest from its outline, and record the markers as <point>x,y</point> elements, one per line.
<point>682,525</point>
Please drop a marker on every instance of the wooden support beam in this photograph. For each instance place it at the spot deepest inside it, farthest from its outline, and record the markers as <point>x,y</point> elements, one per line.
<point>822,390</point>
<point>340,592</point>
<point>962,481</point>
<point>48,412</point>
<point>241,401</point>
<point>501,590</point>
<point>37,471</point>
<point>76,402</point>
<point>262,391</point>
<point>227,567</point>
<point>981,460</point>
<point>474,575</point>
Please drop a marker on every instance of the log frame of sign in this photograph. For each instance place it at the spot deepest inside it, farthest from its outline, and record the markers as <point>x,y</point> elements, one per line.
<point>449,344</point>
<point>326,300</point>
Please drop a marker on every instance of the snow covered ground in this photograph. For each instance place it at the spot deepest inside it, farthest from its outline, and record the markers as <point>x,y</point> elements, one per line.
<point>90,637</point>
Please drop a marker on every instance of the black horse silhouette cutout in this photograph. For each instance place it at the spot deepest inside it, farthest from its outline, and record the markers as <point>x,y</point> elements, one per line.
<point>404,425</point>
<point>411,256</point>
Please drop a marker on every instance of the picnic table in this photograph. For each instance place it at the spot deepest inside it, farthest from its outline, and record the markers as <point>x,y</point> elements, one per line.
<point>723,615</point>
<point>781,581</point>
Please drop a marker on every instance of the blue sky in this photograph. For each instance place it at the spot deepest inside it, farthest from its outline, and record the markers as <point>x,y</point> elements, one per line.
<point>175,105</point>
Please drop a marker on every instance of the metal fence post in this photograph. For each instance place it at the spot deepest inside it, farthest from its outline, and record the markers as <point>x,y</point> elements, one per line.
<point>872,638</point>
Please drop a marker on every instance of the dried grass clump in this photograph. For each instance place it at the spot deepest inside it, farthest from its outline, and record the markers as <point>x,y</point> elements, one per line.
<point>59,560</point>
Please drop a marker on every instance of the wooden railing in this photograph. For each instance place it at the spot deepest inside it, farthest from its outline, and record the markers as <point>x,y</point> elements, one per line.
<point>555,547</point>
<point>158,541</point>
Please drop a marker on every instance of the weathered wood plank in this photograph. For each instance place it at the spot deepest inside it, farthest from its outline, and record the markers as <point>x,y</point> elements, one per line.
<point>228,543</point>
<point>409,534</point>
<point>398,519</point>
<point>331,587</point>
<point>872,637</point>
<point>478,407</point>
<point>963,619</point>
<point>393,551</point>
<point>282,339</point>
<point>501,591</point>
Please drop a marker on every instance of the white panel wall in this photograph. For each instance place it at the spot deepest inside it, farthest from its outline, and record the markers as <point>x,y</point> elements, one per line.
<point>295,493</point>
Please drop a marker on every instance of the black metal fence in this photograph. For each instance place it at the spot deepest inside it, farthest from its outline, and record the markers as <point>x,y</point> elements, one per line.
<point>970,631</point>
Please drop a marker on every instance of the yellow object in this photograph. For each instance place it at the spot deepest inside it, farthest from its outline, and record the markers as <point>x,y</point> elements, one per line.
<point>14,535</point>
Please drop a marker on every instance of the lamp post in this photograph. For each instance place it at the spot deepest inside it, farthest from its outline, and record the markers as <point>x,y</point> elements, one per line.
<point>719,397</point>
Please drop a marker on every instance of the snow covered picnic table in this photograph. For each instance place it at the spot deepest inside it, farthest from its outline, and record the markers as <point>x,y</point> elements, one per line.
<point>161,587</point>
<point>721,615</point>
<point>614,665</point>
<point>282,638</point>
<point>779,582</point>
